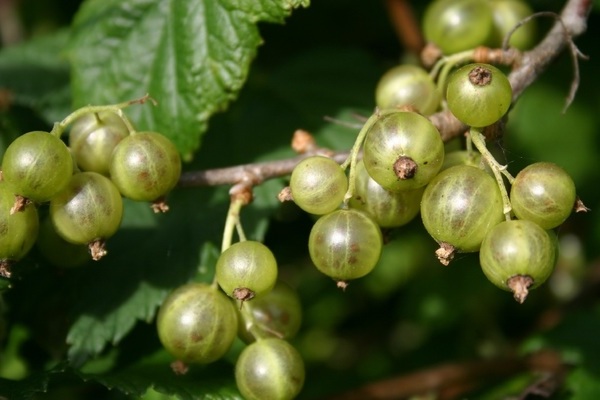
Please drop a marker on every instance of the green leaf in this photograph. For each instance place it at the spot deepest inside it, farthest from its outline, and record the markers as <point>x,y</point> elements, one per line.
<point>24,389</point>
<point>29,387</point>
<point>36,73</point>
<point>583,384</point>
<point>192,56</point>
<point>150,256</point>
<point>214,382</point>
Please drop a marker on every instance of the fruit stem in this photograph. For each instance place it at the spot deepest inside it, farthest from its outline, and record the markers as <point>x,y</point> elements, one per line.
<point>444,65</point>
<point>252,327</point>
<point>231,222</point>
<point>499,170</point>
<point>240,231</point>
<point>59,127</point>
<point>353,156</point>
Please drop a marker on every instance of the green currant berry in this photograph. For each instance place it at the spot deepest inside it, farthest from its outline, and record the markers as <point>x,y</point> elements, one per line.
<point>197,323</point>
<point>246,269</point>
<point>93,137</point>
<point>145,166</point>
<point>269,369</point>
<point>459,207</point>
<point>276,314</point>
<point>518,256</point>
<point>388,209</point>
<point>88,211</point>
<point>18,230</point>
<point>478,94</point>
<point>57,251</point>
<point>506,15</point>
<point>457,25</point>
<point>37,165</point>
<point>345,244</point>
<point>318,185</point>
<point>543,193</point>
<point>408,85</point>
<point>402,150</point>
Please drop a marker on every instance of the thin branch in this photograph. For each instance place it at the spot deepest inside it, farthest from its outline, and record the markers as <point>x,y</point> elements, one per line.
<point>254,174</point>
<point>572,23</point>
<point>406,25</point>
<point>455,380</point>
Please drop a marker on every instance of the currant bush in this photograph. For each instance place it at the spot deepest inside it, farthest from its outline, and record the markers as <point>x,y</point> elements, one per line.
<point>67,196</point>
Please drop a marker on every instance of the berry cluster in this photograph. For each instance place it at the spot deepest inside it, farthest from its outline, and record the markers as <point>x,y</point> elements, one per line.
<point>397,169</point>
<point>468,202</point>
<point>198,323</point>
<point>81,184</point>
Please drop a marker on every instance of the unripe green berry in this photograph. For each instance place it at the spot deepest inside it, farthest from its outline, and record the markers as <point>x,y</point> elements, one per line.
<point>269,369</point>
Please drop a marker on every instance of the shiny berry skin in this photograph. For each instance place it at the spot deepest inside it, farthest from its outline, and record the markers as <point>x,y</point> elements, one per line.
<point>18,230</point>
<point>460,205</point>
<point>457,25</point>
<point>269,369</point>
<point>543,193</point>
<point>246,269</point>
<point>506,14</point>
<point>408,85</point>
<point>145,166</point>
<point>388,209</point>
<point>90,208</point>
<point>518,256</point>
<point>37,165</point>
<point>197,323</point>
<point>345,244</point>
<point>318,185</point>
<point>478,94</point>
<point>93,137</point>
<point>402,150</point>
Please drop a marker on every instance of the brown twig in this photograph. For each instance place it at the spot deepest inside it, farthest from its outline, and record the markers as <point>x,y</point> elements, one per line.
<point>406,26</point>
<point>455,380</point>
<point>255,173</point>
<point>573,23</point>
